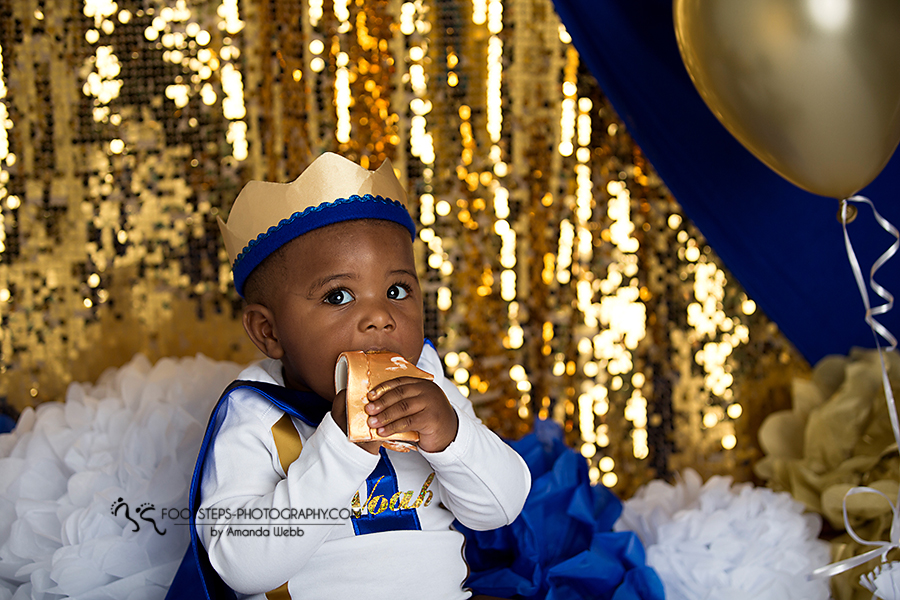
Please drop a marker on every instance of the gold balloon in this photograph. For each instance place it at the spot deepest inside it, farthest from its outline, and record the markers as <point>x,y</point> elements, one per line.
<point>811,87</point>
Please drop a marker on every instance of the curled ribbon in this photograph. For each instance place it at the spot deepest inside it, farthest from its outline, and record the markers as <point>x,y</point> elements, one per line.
<point>877,328</point>
<point>881,547</point>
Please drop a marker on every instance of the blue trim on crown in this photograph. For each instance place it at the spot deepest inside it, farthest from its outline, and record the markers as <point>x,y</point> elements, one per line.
<point>343,209</point>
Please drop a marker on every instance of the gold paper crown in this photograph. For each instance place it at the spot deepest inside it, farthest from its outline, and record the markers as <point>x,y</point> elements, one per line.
<point>265,215</point>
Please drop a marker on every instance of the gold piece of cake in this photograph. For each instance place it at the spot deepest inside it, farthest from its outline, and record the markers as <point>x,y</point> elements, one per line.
<point>359,372</point>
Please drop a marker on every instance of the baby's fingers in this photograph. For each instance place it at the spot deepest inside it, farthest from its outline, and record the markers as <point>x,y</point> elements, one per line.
<point>392,384</point>
<point>395,410</point>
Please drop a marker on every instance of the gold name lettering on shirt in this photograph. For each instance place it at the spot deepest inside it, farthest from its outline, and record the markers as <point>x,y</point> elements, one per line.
<point>401,500</point>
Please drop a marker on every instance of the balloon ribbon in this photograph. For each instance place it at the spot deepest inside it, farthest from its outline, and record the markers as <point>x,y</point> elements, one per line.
<point>881,547</point>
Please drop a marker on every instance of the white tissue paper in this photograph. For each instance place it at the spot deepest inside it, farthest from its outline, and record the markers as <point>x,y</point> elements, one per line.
<point>74,477</point>
<point>717,540</point>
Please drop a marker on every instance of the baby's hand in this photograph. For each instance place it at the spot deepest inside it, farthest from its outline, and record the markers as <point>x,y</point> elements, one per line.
<point>339,414</point>
<point>410,404</point>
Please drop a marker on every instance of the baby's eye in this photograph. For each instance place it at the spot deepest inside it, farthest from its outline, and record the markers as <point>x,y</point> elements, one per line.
<point>338,297</point>
<point>397,292</point>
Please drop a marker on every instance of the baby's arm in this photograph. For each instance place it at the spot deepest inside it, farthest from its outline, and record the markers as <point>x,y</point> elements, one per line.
<point>242,472</point>
<point>485,482</point>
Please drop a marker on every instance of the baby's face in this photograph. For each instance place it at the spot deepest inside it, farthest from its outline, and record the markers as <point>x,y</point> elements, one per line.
<point>350,286</point>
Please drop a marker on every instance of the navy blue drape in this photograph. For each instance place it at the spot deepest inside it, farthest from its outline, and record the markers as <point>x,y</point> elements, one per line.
<point>783,244</point>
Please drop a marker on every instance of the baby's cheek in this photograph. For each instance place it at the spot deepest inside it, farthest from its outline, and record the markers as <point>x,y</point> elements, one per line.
<point>412,345</point>
<point>313,376</point>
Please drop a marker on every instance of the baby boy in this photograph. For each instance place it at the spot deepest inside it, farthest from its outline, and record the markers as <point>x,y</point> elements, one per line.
<point>286,506</point>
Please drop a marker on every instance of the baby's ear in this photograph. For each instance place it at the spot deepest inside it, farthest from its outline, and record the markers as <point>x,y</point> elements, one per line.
<point>259,323</point>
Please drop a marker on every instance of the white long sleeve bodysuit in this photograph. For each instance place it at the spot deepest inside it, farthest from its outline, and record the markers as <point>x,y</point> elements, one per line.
<point>263,459</point>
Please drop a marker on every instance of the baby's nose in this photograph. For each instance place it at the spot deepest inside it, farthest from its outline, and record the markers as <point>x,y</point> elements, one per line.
<point>377,316</point>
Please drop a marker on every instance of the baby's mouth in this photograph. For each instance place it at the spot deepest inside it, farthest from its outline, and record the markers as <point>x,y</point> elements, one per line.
<point>374,349</point>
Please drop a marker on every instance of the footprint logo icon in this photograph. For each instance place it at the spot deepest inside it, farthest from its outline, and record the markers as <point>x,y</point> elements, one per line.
<point>117,505</point>
<point>142,511</point>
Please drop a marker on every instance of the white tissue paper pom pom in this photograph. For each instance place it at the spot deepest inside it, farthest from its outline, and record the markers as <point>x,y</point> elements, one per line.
<point>718,540</point>
<point>130,439</point>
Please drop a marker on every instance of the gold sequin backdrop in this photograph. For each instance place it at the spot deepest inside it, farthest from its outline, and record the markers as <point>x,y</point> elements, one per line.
<point>562,279</point>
